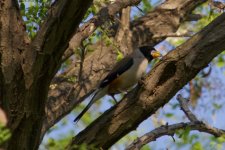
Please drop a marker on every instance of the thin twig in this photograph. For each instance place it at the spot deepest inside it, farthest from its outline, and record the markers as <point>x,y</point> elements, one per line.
<point>217,5</point>
<point>80,80</point>
<point>206,73</point>
<point>184,107</point>
<point>194,17</point>
<point>82,56</point>
<point>140,10</point>
<point>156,36</point>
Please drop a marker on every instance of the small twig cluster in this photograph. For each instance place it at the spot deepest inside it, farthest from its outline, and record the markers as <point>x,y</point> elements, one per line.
<point>217,5</point>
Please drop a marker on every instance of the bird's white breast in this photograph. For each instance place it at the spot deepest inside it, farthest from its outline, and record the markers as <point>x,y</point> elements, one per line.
<point>131,77</point>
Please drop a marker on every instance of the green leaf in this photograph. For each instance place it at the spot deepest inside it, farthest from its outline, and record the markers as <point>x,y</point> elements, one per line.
<point>169,115</point>
<point>146,147</point>
<point>5,134</point>
<point>220,64</point>
<point>147,5</point>
<point>221,139</point>
<point>217,106</point>
<point>197,146</point>
<point>119,55</point>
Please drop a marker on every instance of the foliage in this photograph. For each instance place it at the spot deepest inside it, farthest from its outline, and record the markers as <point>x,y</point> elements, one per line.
<point>4,134</point>
<point>59,144</point>
<point>33,13</point>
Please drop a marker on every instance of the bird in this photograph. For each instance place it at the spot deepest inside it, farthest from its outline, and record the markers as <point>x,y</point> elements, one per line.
<point>124,75</point>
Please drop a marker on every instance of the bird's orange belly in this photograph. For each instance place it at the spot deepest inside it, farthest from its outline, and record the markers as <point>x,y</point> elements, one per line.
<point>120,85</point>
<point>128,79</point>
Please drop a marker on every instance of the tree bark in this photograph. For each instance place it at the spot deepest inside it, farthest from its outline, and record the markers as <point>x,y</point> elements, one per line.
<point>27,67</point>
<point>168,76</point>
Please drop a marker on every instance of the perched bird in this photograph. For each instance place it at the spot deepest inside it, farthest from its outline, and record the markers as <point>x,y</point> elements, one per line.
<point>125,74</point>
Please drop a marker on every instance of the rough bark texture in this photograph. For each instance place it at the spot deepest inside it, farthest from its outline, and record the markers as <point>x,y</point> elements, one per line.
<point>63,97</point>
<point>164,80</point>
<point>28,67</point>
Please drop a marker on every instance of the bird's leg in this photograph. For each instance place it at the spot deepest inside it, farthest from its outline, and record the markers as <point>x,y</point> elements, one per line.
<point>141,81</point>
<point>112,95</point>
<point>125,94</point>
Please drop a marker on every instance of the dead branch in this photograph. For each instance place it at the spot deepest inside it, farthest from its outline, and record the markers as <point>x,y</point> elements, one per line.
<point>184,107</point>
<point>170,130</point>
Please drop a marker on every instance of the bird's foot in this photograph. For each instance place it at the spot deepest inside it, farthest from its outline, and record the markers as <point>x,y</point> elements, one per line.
<point>114,99</point>
<point>142,81</point>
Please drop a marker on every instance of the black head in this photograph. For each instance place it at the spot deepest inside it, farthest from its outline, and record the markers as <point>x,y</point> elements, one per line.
<point>146,51</point>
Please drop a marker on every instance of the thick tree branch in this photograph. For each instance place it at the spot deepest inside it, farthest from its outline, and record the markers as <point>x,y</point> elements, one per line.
<point>52,39</point>
<point>123,36</point>
<point>27,70</point>
<point>23,116</point>
<point>175,70</point>
<point>10,48</point>
<point>96,65</point>
<point>170,130</point>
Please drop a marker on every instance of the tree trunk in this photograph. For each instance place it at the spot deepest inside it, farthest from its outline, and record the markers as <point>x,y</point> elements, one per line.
<point>27,67</point>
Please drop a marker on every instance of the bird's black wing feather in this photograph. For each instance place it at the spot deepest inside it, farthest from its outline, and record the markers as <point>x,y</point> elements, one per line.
<point>85,109</point>
<point>119,68</point>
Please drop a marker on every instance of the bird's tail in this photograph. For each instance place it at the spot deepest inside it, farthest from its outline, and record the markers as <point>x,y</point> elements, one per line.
<point>99,93</point>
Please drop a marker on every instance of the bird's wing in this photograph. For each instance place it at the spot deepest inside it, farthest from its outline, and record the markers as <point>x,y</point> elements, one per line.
<point>117,70</point>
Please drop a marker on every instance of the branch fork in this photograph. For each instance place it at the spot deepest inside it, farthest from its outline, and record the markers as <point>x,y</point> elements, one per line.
<point>170,130</point>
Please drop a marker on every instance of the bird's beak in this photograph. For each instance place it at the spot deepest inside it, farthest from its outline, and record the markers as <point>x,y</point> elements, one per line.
<point>156,54</point>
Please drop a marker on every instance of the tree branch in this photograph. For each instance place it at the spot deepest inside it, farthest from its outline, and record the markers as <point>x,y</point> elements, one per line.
<point>176,69</point>
<point>11,47</point>
<point>186,110</point>
<point>170,130</point>
<point>123,36</point>
<point>171,35</point>
<point>52,39</point>
<point>95,66</point>
<point>11,22</point>
<point>194,17</point>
